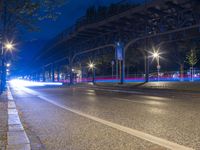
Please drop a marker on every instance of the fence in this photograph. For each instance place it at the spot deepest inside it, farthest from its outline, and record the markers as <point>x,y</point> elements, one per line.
<point>172,76</point>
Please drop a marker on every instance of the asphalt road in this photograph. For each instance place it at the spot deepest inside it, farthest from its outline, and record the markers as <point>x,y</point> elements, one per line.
<point>105,119</point>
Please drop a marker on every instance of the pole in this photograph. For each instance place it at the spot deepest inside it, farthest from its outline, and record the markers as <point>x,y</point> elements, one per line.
<point>2,70</point>
<point>93,78</point>
<point>58,73</point>
<point>147,56</point>
<point>71,73</point>
<point>123,68</point>
<point>3,79</point>
<point>120,70</point>
<point>192,73</point>
<point>53,72</point>
<point>112,71</point>
<point>43,74</point>
<point>158,67</point>
<point>182,72</point>
<point>117,69</point>
<point>112,63</point>
<point>146,68</point>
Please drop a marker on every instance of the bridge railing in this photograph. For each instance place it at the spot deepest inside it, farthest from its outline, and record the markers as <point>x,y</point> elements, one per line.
<point>172,76</point>
<point>120,7</point>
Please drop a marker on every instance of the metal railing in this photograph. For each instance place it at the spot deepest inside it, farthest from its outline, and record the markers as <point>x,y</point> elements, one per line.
<point>171,76</point>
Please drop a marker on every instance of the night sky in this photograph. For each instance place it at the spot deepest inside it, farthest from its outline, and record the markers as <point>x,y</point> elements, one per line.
<point>32,42</point>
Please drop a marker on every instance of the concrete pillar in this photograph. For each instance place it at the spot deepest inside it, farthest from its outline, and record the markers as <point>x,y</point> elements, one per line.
<point>122,79</point>
<point>71,73</point>
<point>43,75</point>
<point>3,74</point>
<point>53,72</point>
<point>117,70</point>
<point>34,76</point>
<point>49,74</point>
<point>146,61</point>
<point>58,73</point>
<point>120,56</point>
<point>38,76</point>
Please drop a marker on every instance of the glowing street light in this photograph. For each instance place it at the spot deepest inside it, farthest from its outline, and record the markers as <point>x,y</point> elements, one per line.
<point>7,65</point>
<point>91,66</point>
<point>156,55</point>
<point>9,46</point>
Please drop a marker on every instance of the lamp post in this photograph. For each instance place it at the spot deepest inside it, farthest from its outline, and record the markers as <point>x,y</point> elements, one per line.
<point>7,65</point>
<point>156,56</point>
<point>112,63</point>
<point>91,66</point>
<point>9,46</point>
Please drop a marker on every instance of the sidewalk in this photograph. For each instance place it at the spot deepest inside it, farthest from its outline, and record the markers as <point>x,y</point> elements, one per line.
<point>12,133</point>
<point>3,121</point>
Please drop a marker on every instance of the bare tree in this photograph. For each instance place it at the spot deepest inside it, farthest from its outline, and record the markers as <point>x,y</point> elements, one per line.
<point>192,60</point>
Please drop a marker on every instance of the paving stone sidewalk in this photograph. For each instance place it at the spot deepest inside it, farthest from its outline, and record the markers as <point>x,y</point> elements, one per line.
<point>3,121</point>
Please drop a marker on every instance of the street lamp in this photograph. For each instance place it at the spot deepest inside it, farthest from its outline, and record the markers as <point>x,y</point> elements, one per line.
<point>9,46</point>
<point>7,65</point>
<point>112,63</point>
<point>91,66</point>
<point>156,55</point>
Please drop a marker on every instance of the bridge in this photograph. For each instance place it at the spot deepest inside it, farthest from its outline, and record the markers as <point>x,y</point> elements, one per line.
<point>155,22</point>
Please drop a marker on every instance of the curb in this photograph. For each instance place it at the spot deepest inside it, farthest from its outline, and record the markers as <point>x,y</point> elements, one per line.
<point>17,138</point>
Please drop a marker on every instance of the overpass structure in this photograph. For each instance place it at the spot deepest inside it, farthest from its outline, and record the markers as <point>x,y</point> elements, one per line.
<point>155,21</point>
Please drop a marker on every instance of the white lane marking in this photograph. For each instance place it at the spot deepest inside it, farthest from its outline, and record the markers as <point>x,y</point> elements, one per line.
<point>118,91</point>
<point>140,92</point>
<point>146,102</point>
<point>154,100</point>
<point>157,98</point>
<point>136,133</point>
<point>131,92</point>
<point>122,91</point>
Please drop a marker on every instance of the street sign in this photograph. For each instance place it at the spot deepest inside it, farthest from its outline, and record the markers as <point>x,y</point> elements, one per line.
<point>112,62</point>
<point>158,67</point>
<point>119,51</point>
